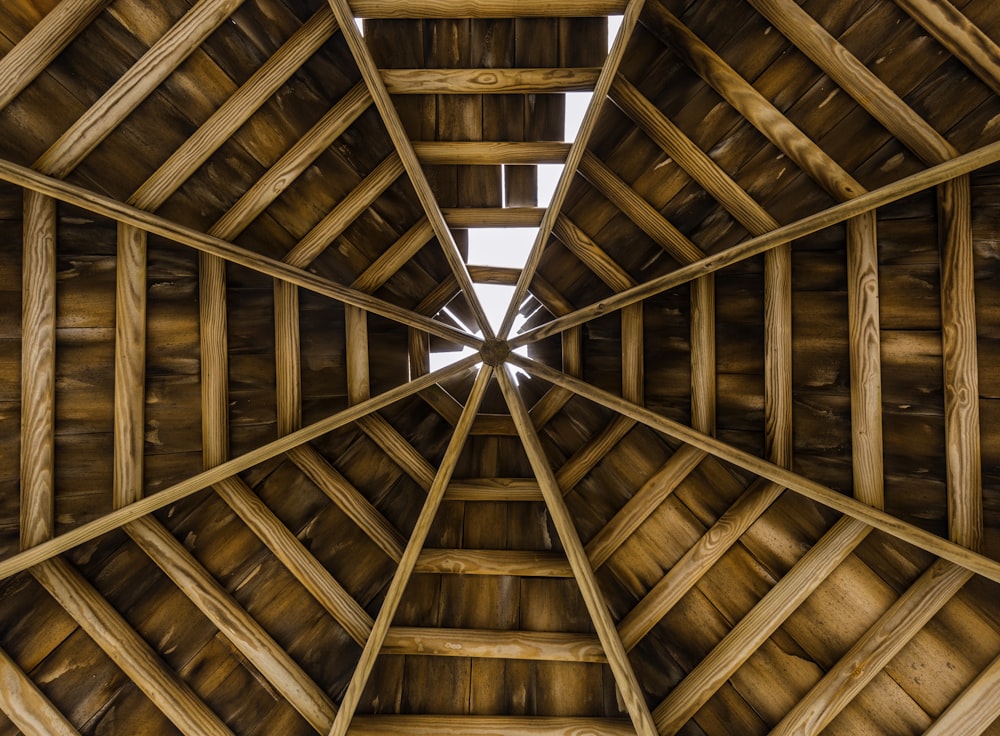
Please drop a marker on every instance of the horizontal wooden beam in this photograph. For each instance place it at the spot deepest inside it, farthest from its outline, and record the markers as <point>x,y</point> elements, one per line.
<point>26,706</point>
<point>489,81</point>
<point>489,726</point>
<point>547,646</point>
<point>462,217</point>
<point>520,563</point>
<point>493,489</point>
<point>494,275</point>
<point>485,8</point>
<point>490,152</point>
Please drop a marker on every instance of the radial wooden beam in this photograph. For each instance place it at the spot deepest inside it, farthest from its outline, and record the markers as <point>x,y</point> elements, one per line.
<point>485,8</point>
<point>960,36</point>
<point>975,710</point>
<point>870,654</point>
<point>810,489</point>
<point>490,152</point>
<point>410,555</point>
<point>233,621</point>
<point>38,370</point>
<point>628,686</point>
<point>489,81</point>
<point>134,86</point>
<point>116,519</point>
<point>754,246</point>
<point>544,646</point>
<point>43,43</point>
<point>26,706</point>
<point>140,663</point>
<point>518,563</point>
<point>401,141</point>
<point>698,687</point>
<point>489,726</point>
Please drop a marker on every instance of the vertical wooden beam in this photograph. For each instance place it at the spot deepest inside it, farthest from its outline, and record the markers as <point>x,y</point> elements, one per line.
<point>38,369</point>
<point>214,360</point>
<point>703,365</point>
<point>778,355</point>
<point>358,386</point>
<point>621,668</point>
<point>961,376</point>
<point>26,706</point>
<point>288,361</point>
<point>409,559</point>
<point>633,373</point>
<point>130,365</point>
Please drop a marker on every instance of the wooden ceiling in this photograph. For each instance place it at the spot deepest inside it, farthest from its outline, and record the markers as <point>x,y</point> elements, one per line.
<point>743,480</point>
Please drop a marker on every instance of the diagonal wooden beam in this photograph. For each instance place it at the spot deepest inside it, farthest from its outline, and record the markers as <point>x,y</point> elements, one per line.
<point>962,556</point>
<point>870,654</point>
<point>519,563</point>
<point>400,139</point>
<point>394,257</point>
<point>26,706</point>
<point>414,545</point>
<point>621,668</point>
<point>484,8</point>
<point>585,459</point>
<point>116,519</point>
<point>975,710</point>
<point>43,43</point>
<point>488,81</point>
<point>833,215</point>
<point>134,86</point>
<point>396,447</point>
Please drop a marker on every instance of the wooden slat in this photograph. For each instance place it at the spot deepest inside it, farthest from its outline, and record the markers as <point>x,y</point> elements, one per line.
<point>874,650</point>
<point>489,726</point>
<point>395,446</point>
<point>778,355</point>
<point>484,8</point>
<point>698,687</point>
<point>961,371</point>
<point>410,555</point>
<point>642,504</point>
<point>356,329</point>
<point>493,562</point>
<point>975,710</point>
<point>493,489</point>
<point>546,646</point>
<point>490,152</point>
<point>489,81</point>
<point>130,365</point>
<point>214,341</point>
<point>703,364</point>
<point>287,357</point>
<point>628,686</point>
<point>584,460</point>
<point>960,36</point>
<point>43,43</point>
<point>494,275</point>
<point>249,637</point>
<point>633,365</point>
<point>394,257</point>
<point>816,491</point>
<point>591,254</point>
<point>116,519</point>
<point>236,110</point>
<point>134,86</point>
<point>26,706</point>
<point>304,566</point>
<point>38,370</point>
<point>463,217</point>
<point>128,650</point>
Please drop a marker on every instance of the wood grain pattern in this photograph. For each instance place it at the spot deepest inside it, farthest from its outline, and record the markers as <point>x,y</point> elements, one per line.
<point>493,562</point>
<point>358,382</point>
<point>214,341</point>
<point>530,645</point>
<point>398,448</point>
<point>703,363</point>
<point>463,217</point>
<point>633,352</point>
<point>490,726</point>
<point>287,357</point>
<point>489,81</point>
<point>778,355</point>
<point>493,489</point>
<point>591,254</point>
<point>585,459</point>
<point>394,257</point>
<point>484,8</point>
<point>26,705</point>
<point>490,152</point>
<point>975,709</point>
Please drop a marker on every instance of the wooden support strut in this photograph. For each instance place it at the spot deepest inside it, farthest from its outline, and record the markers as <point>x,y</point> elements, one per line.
<point>26,706</point>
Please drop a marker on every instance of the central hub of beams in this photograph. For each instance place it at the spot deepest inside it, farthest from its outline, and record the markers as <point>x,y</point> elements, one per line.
<point>494,352</point>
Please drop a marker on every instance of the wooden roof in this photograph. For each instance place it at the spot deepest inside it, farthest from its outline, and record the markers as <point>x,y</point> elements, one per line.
<point>745,480</point>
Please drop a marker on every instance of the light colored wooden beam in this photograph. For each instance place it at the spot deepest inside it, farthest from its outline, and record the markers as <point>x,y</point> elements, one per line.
<point>585,459</point>
<point>394,257</point>
<point>43,43</point>
<point>961,367</point>
<point>485,8</point>
<point>489,726</point>
<point>358,382</point>
<point>975,710</point>
<point>248,636</point>
<point>520,563</point>
<point>464,217</point>
<point>410,556</point>
<point>26,706</point>
<point>134,86</point>
<point>116,519</point>
<point>897,626</point>
<point>490,152</point>
<point>489,81</point>
<point>130,365</point>
<point>493,489</point>
<point>703,364</point>
<point>140,663</point>
<point>698,687</point>
<point>591,254</point>
<point>548,646</point>
<point>810,489</point>
<point>396,447</point>
<point>778,355</point>
<point>38,370</point>
<point>287,357</point>
<point>494,275</point>
<point>628,686</point>
<point>960,36</point>
<point>214,340</point>
<point>633,361</point>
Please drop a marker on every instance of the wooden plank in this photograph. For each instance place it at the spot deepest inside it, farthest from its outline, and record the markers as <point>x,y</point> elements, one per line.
<point>249,637</point>
<point>236,110</point>
<point>897,626</point>
<point>778,355</point>
<point>490,152</point>
<point>489,81</point>
<point>494,275</point>
<point>816,491</point>
<point>493,562</point>
<point>584,460</point>
<point>43,43</point>
<point>493,489</point>
<point>866,361</point>
<point>961,371</point>
<point>396,446</point>
<point>591,254</point>
<point>134,86</point>
<point>698,687</point>
<point>960,36</point>
<point>621,668</point>
<point>128,650</point>
<point>116,519</point>
<point>394,257</point>
<point>356,327</point>
<point>287,357</point>
<point>214,341</point>
<point>546,646</point>
<point>130,365</point>
<point>407,562</point>
<point>703,366</point>
<point>642,504</point>
<point>975,710</point>
<point>304,566</point>
<point>26,706</point>
<point>462,217</point>
<point>633,365</point>
<point>489,726</point>
<point>485,8</point>
<point>38,370</point>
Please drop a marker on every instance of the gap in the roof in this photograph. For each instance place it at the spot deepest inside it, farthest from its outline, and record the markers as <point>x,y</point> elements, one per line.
<point>507,247</point>
<point>614,23</point>
<point>548,179</point>
<point>360,23</point>
<point>443,359</point>
<point>576,108</point>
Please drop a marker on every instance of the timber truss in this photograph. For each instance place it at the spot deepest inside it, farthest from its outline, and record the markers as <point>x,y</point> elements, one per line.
<point>616,635</point>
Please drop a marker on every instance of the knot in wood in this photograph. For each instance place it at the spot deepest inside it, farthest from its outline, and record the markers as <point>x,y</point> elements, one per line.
<point>494,352</point>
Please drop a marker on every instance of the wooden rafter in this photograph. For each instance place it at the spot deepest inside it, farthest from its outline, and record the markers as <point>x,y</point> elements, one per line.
<point>488,726</point>
<point>488,81</point>
<point>490,152</point>
<point>494,489</point>
<point>493,562</point>
<point>975,709</point>
<point>464,217</point>
<point>484,8</point>
<point>26,706</point>
<point>550,646</point>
